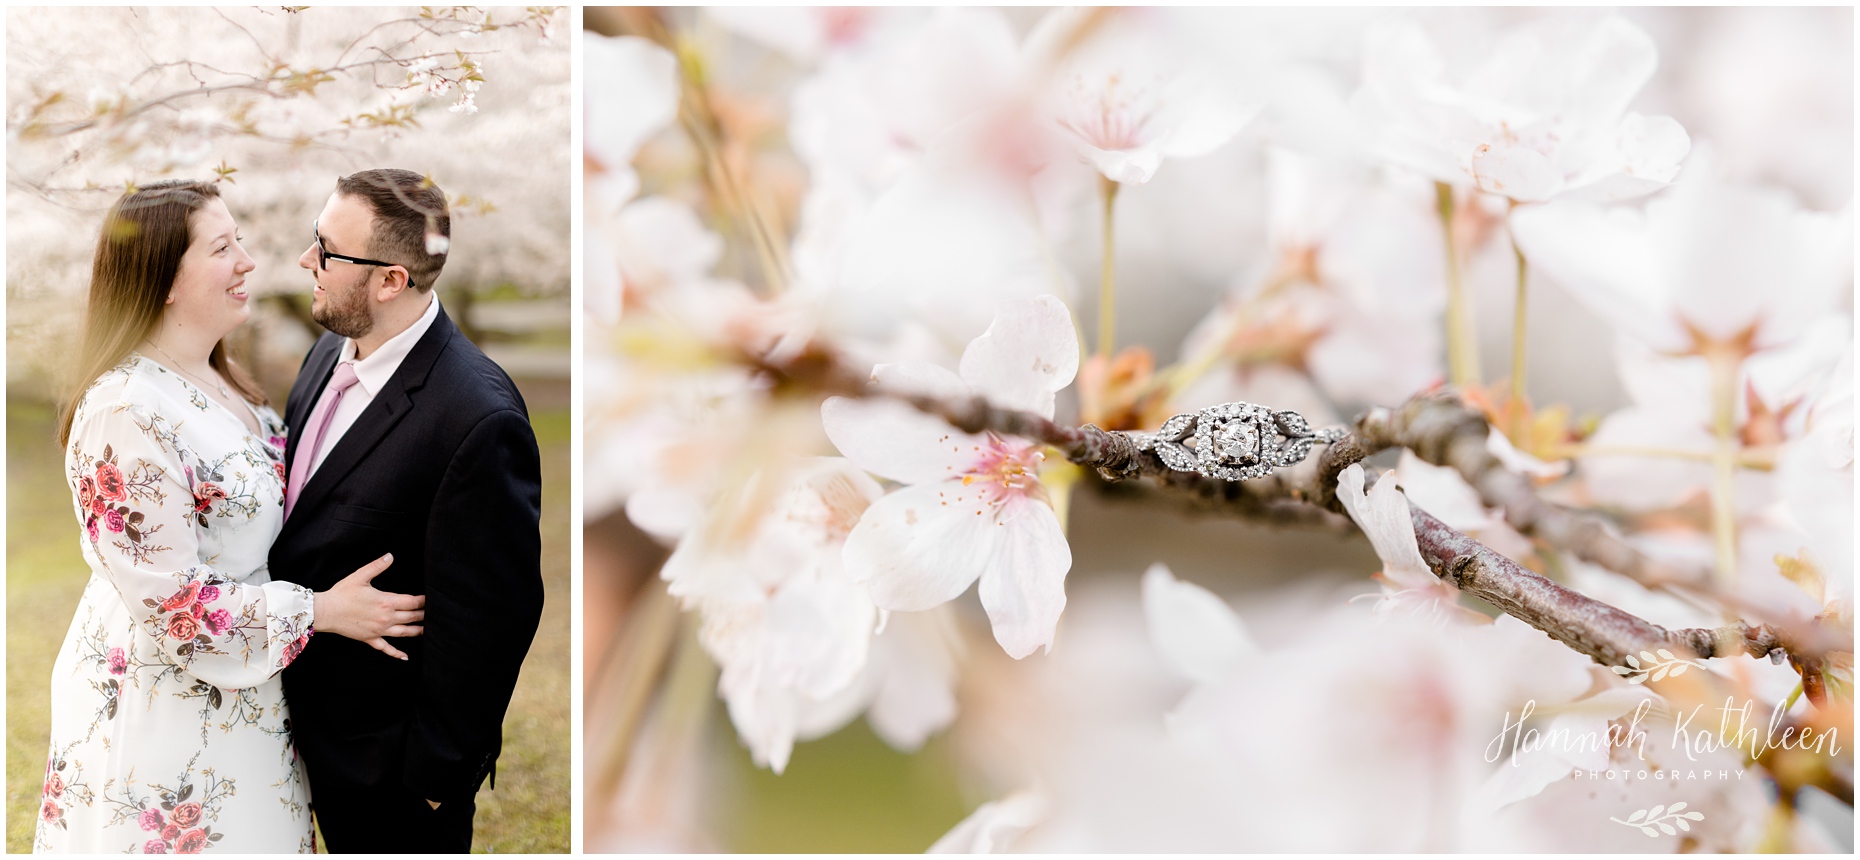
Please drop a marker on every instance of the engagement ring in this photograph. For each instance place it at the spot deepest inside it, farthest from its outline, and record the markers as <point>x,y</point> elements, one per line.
<point>1235,441</point>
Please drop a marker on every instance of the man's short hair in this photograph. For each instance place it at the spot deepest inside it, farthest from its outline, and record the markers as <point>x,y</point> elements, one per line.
<point>407,207</point>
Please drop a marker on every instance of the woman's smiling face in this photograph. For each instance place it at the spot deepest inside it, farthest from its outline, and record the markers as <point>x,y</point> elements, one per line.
<point>209,293</point>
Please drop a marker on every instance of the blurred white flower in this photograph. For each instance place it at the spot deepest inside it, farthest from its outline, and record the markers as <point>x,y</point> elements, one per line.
<point>1767,86</point>
<point>973,506</point>
<point>940,247</point>
<point>659,243</point>
<point>1706,263</point>
<point>870,114</point>
<point>788,627</point>
<point>993,826</point>
<point>1193,629</point>
<point>1671,412</point>
<point>1127,96</point>
<point>805,34</point>
<point>632,93</point>
<point>1355,285</point>
<point>1542,115</point>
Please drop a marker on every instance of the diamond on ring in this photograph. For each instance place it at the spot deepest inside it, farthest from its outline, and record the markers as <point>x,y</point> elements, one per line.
<point>1235,441</point>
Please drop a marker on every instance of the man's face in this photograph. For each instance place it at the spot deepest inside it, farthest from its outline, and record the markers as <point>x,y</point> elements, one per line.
<point>343,301</point>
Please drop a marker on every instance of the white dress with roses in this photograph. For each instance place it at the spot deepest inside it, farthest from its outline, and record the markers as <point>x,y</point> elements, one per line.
<point>169,729</point>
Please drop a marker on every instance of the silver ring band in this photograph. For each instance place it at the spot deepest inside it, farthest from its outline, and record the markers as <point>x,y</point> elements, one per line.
<point>1235,441</point>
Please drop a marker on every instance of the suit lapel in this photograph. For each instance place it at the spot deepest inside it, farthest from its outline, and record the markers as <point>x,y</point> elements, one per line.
<point>391,404</point>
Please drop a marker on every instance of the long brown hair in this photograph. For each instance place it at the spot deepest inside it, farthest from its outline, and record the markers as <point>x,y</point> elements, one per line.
<point>144,237</point>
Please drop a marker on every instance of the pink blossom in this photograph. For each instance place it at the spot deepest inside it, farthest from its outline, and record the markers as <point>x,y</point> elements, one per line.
<point>973,506</point>
<point>119,662</point>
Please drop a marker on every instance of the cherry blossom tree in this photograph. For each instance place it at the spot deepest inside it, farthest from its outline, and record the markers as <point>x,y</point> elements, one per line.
<point>286,100</point>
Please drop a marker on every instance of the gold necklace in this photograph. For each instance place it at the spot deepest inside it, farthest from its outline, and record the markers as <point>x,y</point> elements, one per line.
<point>177,366</point>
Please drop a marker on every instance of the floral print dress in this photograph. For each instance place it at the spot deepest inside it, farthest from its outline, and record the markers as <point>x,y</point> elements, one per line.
<point>169,729</point>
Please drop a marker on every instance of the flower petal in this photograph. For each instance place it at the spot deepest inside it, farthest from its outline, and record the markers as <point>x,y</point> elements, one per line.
<point>1383,516</point>
<point>916,666</point>
<point>1607,259</point>
<point>1024,583</point>
<point>921,546</point>
<point>1197,633</point>
<point>1028,354</point>
<point>1520,173</point>
<point>895,440</point>
<point>993,826</point>
<point>632,93</point>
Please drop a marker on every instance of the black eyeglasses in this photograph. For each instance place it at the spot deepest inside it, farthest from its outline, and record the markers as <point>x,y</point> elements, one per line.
<point>324,255</point>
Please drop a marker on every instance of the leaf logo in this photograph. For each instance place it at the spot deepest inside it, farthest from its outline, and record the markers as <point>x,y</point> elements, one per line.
<point>1658,817</point>
<point>1651,667</point>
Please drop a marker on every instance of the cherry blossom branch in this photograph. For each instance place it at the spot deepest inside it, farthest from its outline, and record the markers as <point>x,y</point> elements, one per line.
<point>1437,428</point>
<point>1440,429</point>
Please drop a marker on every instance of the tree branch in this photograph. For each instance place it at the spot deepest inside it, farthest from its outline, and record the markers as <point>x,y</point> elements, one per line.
<point>1441,430</point>
<point>1437,428</point>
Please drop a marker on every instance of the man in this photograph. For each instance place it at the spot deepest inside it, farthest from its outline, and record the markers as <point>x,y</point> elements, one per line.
<point>405,439</point>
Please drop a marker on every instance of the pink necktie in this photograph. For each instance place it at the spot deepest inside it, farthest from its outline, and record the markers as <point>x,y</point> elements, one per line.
<point>312,441</point>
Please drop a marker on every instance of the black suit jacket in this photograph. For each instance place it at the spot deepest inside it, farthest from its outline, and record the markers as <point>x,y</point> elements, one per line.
<point>442,470</point>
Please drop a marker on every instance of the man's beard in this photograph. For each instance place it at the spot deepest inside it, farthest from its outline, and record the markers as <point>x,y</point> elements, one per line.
<point>345,312</point>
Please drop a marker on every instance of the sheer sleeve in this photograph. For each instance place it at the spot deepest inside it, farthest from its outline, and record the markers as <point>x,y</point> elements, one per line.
<point>143,508</point>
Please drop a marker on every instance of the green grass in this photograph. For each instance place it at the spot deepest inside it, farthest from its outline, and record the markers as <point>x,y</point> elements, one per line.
<point>45,577</point>
<point>847,792</point>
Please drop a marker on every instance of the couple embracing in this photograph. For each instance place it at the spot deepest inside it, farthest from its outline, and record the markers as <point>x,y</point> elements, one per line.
<point>377,564</point>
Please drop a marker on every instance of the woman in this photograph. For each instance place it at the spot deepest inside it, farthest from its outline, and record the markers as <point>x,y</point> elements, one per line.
<point>170,732</point>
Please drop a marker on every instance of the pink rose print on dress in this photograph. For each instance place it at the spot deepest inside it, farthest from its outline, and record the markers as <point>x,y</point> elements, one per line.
<point>186,815</point>
<point>50,811</point>
<point>110,483</point>
<point>182,599</point>
<point>209,593</point>
<point>218,621</point>
<point>150,819</point>
<point>183,627</point>
<point>119,662</point>
<point>154,846</point>
<point>113,519</point>
<point>191,842</point>
<point>295,648</point>
<point>205,495</point>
